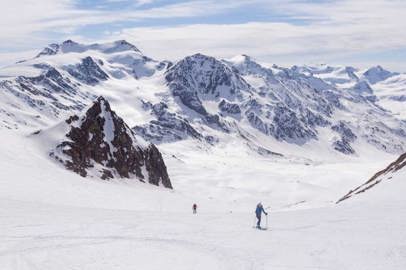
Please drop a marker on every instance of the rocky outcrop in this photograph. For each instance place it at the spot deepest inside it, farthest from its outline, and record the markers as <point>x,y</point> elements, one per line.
<point>378,177</point>
<point>229,108</point>
<point>343,144</point>
<point>100,144</point>
<point>362,87</point>
<point>88,71</point>
<point>168,126</point>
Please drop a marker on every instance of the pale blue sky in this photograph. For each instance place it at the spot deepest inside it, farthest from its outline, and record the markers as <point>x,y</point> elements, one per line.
<point>351,32</point>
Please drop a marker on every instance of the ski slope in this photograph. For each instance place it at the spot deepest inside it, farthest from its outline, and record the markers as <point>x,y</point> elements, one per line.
<point>54,219</point>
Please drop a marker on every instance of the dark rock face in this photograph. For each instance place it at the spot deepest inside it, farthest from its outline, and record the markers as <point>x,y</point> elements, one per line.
<point>285,125</point>
<point>156,167</point>
<point>343,145</point>
<point>362,87</point>
<point>200,76</point>
<point>52,49</point>
<point>230,108</point>
<point>101,144</point>
<point>291,105</point>
<point>88,71</point>
<point>169,127</point>
<point>289,127</point>
<point>395,166</point>
<point>51,92</point>
<point>257,122</point>
<point>51,78</point>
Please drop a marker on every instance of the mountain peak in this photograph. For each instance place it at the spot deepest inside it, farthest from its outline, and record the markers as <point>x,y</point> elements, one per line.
<point>199,56</point>
<point>198,76</point>
<point>101,100</point>
<point>100,144</point>
<point>116,46</point>
<point>69,46</point>
<point>375,69</point>
<point>103,104</point>
<point>377,73</point>
<point>64,47</point>
<point>69,42</point>
<point>198,63</point>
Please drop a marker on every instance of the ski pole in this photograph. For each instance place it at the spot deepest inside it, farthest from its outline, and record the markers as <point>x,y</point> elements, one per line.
<point>267,221</point>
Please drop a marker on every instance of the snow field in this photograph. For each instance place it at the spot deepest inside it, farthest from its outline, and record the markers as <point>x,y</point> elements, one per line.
<point>54,219</point>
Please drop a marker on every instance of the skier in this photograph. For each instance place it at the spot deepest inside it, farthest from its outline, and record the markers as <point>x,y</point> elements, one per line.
<point>194,208</point>
<point>258,212</point>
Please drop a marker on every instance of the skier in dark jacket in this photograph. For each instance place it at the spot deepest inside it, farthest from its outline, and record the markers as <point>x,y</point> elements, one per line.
<point>194,207</point>
<point>258,212</point>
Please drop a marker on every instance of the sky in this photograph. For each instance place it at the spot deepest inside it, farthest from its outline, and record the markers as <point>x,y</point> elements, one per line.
<point>360,33</point>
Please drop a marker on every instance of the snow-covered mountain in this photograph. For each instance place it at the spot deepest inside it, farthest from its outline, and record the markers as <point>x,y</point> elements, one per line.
<point>204,98</point>
<point>62,80</point>
<point>385,88</point>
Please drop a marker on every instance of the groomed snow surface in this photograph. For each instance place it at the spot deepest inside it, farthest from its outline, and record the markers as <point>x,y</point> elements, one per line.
<point>53,219</point>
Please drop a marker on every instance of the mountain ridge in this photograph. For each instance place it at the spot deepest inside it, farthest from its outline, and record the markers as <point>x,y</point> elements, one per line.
<point>204,98</point>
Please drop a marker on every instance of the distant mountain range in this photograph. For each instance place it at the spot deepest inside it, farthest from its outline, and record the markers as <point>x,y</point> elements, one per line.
<point>341,110</point>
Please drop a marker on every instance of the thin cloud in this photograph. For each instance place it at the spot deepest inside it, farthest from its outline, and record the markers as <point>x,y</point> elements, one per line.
<point>36,18</point>
<point>264,40</point>
<point>298,30</point>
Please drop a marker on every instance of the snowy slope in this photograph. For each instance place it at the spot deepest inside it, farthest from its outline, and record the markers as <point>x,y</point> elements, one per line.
<point>66,223</point>
<point>393,170</point>
<point>392,95</point>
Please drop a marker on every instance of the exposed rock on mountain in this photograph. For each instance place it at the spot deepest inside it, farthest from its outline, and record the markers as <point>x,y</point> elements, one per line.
<point>49,94</point>
<point>229,108</point>
<point>362,87</point>
<point>100,144</point>
<point>199,77</point>
<point>343,144</point>
<point>88,71</point>
<point>377,74</point>
<point>277,105</point>
<point>383,175</point>
<point>169,127</point>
